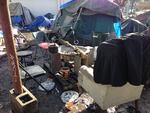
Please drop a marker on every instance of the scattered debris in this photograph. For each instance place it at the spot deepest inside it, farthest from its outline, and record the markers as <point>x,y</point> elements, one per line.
<point>81,104</point>
<point>48,85</point>
<point>1,106</point>
<point>69,96</point>
<point>112,110</point>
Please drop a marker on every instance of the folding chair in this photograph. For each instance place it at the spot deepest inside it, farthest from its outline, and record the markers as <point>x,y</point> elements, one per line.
<point>31,72</point>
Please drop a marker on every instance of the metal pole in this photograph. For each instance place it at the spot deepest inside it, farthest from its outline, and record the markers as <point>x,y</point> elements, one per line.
<point>9,43</point>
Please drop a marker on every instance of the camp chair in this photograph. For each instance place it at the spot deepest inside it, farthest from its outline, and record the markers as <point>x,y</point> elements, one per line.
<point>31,72</point>
<point>41,41</point>
<point>107,96</point>
<point>23,56</point>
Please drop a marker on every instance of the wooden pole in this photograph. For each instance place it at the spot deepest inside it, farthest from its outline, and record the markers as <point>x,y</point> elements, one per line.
<point>10,48</point>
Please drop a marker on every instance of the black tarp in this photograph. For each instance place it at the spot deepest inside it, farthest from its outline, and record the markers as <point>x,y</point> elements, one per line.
<point>132,26</point>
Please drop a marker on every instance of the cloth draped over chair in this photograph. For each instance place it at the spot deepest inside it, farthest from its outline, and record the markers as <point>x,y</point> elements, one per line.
<point>123,60</point>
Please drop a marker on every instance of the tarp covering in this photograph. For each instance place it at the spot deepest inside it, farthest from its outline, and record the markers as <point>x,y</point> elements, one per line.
<point>15,9</point>
<point>39,21</point>
<point>95,23</point>
<point>142,16</point>
<point>132,26</point>
<point>88,17</point>
<point>20,14</point>
<point>94,6</point>
<point>16,20</point>
<point>86,25</point>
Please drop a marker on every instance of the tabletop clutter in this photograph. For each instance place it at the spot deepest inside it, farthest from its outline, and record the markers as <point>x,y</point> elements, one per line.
<point>68,62</point>
<point>75,103</point>
<point>69,58</point>
<point>64,63</point>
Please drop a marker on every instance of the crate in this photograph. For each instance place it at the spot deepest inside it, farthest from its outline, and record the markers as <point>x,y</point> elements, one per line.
<point>23,103</point>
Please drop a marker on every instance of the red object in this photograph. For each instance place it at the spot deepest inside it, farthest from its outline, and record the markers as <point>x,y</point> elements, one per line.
<point>44,45</point>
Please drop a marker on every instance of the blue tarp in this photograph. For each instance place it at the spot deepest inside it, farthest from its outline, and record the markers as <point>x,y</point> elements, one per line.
<point>67,4</point>
<point>117,27</point>
<point>39,21</point>
<point>16,20</point>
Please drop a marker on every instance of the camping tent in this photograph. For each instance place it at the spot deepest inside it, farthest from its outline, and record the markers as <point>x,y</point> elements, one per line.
<point>142,16</point>
<point>20,15</point>
<point>86,17</point>
<point>132,26</point>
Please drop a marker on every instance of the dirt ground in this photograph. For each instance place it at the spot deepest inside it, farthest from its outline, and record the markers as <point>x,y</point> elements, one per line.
<point>50,103</point>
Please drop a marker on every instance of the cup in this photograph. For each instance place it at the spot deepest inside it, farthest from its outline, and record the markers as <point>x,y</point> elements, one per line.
<point>65,71</point>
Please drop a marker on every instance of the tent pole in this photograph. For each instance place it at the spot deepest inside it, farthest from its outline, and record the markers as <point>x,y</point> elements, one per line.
<point>9,43</point>
<point>78,17</point>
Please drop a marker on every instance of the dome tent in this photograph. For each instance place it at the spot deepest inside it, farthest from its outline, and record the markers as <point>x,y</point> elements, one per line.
<point>87,17</point>
<point>106,7</point>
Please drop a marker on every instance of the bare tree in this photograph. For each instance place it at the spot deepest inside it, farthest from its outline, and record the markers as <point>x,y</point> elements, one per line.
<point>121,3</point>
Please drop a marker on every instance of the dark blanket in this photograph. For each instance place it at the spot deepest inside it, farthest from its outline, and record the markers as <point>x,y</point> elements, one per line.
<point>123,60</point>
<point>146,59</point>
<point>133,46</point>
<point>110,65</point>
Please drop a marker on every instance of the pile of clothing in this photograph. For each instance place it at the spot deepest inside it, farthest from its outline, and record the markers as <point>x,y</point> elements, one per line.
<point>123,60</point>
